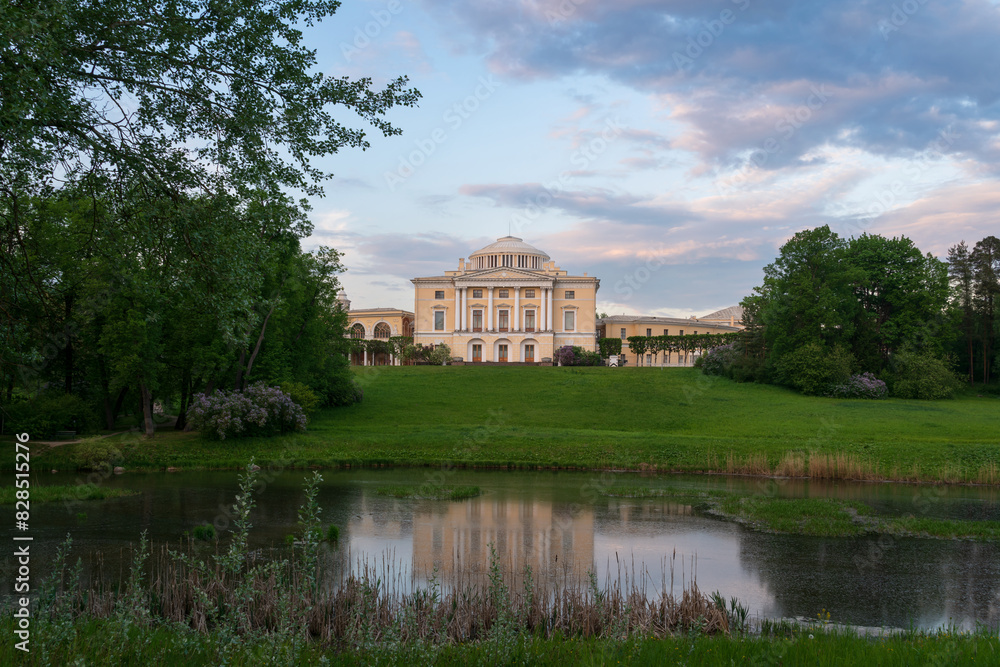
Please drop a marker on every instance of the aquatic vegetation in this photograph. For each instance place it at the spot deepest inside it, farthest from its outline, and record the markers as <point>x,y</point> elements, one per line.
<point>430,492</point>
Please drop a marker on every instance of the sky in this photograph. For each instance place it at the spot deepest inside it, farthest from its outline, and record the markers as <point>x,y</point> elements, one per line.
<point>668,147</point>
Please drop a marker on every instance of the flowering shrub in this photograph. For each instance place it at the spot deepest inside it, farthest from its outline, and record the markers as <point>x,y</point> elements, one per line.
<point>256,411</point>
<point>864,385</point>
<point>719,360</point>
<point>573,355</point>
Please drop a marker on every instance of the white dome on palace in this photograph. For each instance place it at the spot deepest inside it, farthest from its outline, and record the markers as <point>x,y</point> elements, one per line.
<point>508,251</point>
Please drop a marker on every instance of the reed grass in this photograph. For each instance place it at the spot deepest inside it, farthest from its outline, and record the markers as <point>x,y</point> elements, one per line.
<point>430,492</point>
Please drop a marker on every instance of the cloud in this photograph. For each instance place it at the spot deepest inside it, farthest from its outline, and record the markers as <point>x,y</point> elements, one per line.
<point>943,217</point>
<point>529,200</point>
<point>730,71</point>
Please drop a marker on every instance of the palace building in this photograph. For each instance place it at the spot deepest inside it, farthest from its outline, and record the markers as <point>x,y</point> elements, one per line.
<point>506,303</point>
<point>624,326</point>
<point>375,324</point>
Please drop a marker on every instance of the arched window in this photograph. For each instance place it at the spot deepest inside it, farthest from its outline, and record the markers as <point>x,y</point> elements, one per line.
<point>382,330</point>
<point>358,330</point>
<point>407,327</point>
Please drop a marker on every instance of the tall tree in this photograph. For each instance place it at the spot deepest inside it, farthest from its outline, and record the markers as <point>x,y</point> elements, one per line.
<point>961,275</point>
<point>808,292</point>
<point>985,259</point>
<point>901,294</point>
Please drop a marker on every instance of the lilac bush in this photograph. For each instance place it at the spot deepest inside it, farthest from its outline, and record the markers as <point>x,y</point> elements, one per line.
<point>564,356</point>
<point>863,385</point>
<point>574,355</point>
<point>258,410</point>
<point>718,360</point>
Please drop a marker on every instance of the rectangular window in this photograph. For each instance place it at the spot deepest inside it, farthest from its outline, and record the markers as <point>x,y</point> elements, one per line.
<point>570,294</point>
<point>438,320</point>
<point>503,353</point>
<point>529,352</point>
<point>503,294</point>
<point>477,294</point>
<point>502,320</point>
<point>649,360</point>
<point>569,320</point>
<point>529,320</point>
<point>649,332</point>
<point>682,332</point>
<point>477,320</point>
<point>529,294</point>
<point>695,333</point>
<point>439,294</point>
<point>477,352</point>
<point>624,336</point>
<point>665,333</point>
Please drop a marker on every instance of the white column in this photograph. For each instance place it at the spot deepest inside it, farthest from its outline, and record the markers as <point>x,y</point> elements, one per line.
<point>489,311</point>
<point>541,311</point>
<point>517,302</point>
<point>465,309</point>
<point>458,309</point>
<point>549,308</point>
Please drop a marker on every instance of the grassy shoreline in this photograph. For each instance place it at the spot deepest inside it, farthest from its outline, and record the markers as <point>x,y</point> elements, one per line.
<point>110,642</point>
<point>641,419</point>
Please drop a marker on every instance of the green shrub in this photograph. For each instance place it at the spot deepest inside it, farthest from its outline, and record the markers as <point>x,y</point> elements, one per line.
<point>812,369</point>
<point>301,394</point>
<point>609,346</point>
<point>439,355</point>
<point>204,532</point>
<point>750,369</point>
<point>333,533</point>
<point>43,415</point>
<point>101,453</point>
<point>334,383</point>
<point>921,375</point>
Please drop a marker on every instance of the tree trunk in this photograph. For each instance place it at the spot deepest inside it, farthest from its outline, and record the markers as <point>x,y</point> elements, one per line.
<point>146,396</point>
<point>260,339</point>
<point>113,417</point>
<point>238,384</point>
<point>68,312</point>
<point>185,394</point>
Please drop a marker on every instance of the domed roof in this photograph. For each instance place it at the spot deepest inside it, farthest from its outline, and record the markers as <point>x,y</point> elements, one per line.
<point>510,245</point>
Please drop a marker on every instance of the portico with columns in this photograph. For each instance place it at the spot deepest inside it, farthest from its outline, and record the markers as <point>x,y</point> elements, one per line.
<point>506,303</point>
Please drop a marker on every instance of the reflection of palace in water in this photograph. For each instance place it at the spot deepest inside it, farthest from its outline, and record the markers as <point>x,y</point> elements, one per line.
<point>524,533</point>
<point>455,537</point>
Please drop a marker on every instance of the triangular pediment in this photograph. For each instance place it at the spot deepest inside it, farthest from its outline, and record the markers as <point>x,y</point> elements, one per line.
<point>503,273</point>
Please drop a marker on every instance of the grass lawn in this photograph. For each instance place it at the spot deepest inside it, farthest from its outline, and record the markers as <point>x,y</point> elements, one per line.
<point>672,419</point>
<point>110,642</point>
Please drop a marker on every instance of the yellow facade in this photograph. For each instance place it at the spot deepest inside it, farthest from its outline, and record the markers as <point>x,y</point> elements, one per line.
<point>625,326</point>
<point>506,303</point>
<point>376,324</point>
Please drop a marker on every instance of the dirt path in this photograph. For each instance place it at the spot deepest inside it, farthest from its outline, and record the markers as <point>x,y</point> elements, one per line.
<point>58,443</point>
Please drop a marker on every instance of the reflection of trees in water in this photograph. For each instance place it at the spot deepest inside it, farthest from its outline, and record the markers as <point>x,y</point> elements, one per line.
<point>870,582</point>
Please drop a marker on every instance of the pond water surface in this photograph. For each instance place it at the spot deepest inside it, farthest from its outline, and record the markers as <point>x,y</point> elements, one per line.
<point>562,523</point>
